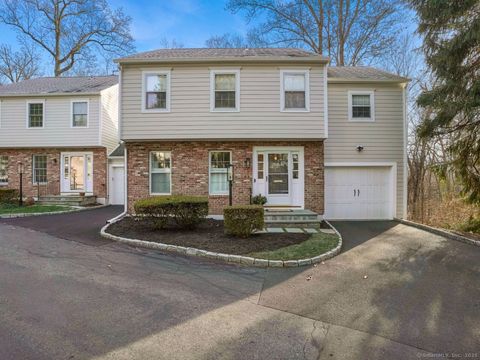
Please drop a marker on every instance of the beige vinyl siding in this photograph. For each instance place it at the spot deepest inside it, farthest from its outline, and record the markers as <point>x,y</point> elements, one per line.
<point>190,116</point>
<point>57,130</point>
<point>109,118</point>
<point>383,139</point>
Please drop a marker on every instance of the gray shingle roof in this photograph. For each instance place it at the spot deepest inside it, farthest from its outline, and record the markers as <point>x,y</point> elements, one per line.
<point>119,150</point>
<point>59,85</point>
<point>219,54</point>
<point>362,73</point>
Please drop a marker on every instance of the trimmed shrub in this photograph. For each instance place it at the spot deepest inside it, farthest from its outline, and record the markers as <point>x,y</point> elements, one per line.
<point>8,196</point>
<point>243,220</point>
<point>259,199</point>
<point>186,211</point>
<point>29,201</point>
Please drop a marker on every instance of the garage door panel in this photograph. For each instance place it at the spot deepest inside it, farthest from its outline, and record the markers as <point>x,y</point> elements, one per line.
<point>358,192</point>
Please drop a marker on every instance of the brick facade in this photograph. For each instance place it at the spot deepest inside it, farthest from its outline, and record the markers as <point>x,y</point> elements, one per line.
<point>53,169</point>
<point>190,170</point>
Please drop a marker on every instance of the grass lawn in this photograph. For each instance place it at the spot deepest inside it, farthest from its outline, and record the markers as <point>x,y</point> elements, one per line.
<point>316,245</point>
<point>15,209</point>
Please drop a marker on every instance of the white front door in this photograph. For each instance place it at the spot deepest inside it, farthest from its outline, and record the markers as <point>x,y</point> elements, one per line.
<point>278,175</point>
<point>359,193</point>
<point>77,172</point>
<point>117,185</point>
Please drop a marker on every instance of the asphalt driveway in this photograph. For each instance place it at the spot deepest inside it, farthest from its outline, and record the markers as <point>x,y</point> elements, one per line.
<point>394,293</point>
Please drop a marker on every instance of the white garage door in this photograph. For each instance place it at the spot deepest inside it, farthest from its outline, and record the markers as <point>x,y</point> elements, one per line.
<point>359,193</point>
<point>117,185</point>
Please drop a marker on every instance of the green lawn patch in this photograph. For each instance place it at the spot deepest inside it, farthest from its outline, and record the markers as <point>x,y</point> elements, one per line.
<point>317,244</point>
<point>15,209</point>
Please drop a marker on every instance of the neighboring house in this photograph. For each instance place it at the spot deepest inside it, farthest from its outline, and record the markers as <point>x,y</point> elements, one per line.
<point>61,130</point>
<point>331,144</point>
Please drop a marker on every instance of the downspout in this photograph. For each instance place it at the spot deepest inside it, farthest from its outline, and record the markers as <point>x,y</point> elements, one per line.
<point>125,155</point>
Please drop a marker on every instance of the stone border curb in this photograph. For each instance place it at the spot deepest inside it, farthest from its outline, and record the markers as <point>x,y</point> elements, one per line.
<point>21,215</point>
<point>440,232</point>
<point>227,258</point>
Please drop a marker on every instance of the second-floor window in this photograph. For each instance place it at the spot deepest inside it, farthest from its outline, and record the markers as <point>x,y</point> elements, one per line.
<point>3,170</point>
<point>361,106</point>
<point>295,90</point>
<point>35,114</point>
<point>79,113</point>
<point>39,169</point>
<point>156,91</point>
<point>225,90</point>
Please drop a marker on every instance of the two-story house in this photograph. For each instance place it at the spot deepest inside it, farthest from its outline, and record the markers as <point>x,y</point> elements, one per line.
<point>306,136</point>
<point>60,132</point>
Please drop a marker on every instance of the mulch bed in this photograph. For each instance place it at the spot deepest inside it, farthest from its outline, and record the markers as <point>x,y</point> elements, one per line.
<point>208,236</point>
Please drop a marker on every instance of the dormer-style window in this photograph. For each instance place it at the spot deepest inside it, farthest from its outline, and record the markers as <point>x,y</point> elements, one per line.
<point>225,90</point>
<point>35,114</point>
<point>156,91</point>
<point>361,106</point>
<point>79,113</point>
<point>295,90</point>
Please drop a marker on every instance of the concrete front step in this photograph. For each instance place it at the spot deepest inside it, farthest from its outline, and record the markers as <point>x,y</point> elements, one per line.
<point>72,200</point>
<point>292,218</point>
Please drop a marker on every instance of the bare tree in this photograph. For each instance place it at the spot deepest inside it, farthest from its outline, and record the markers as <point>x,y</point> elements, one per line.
<point>349,31</point>
<point>68,30</point>
<point>233,40</point>
<point>18,65</point>
<point>170,44</point>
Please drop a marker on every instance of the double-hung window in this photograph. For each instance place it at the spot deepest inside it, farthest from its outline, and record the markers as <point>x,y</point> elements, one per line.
<point>156,91</point>
<point>219,161</point>
<point>35,114</point>
<point>160,172</point>
<point>361,106</point>
<point>225,90</point>
<point>3,170</point>
<point>39,169</point>
<point>79,113</point>
<point>295,90</point>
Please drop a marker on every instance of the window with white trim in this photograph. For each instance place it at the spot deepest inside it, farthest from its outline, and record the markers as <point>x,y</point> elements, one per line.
<point>79,113</point>
<point>361,106</point>
<point>3,170</point>
<point>295,94</point>
<point>225,90</point>
<point>39,169</point>
<point>35,114</point>
<point>218,170</point>
<point>156,91</point>
<point>160,172</point>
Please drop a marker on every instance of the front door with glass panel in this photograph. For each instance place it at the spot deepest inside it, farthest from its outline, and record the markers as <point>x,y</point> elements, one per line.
<point>278,175</point>
<point>77,173</point>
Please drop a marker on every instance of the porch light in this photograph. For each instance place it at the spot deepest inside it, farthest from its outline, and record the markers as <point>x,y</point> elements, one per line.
<point>230,183</point>
<point>20,169</point>
<point>247,163</point>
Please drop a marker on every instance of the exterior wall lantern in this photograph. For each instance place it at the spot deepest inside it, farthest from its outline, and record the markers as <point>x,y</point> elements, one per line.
<point>247,163</point>
<point>21,170</point>
<point>360,148</point>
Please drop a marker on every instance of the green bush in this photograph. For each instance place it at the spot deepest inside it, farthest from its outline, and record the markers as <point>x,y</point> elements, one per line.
<point>472,225</point>
<point>186,211</point>
<point>259,199</point>
<point>243,220</point>
<point>8,196</point>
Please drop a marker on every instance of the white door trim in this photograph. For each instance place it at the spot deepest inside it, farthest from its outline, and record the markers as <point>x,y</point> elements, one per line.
<point>393,177</point>
<point>300,150</point>
<point>62,170</point>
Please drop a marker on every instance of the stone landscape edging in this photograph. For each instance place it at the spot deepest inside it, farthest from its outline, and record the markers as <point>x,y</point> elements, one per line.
<point>229,258</point>
<point>440,232</point>
<point>21,215</point>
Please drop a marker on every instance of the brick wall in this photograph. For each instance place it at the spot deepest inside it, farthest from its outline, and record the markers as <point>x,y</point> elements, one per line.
<point>53,169</point>
<point>190,170</point>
